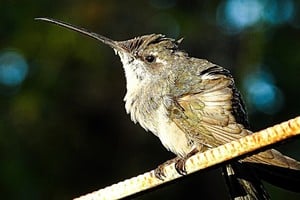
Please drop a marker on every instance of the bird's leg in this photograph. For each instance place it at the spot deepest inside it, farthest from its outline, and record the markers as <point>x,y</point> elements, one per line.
<point>160,170</point>
<point>179,165</point>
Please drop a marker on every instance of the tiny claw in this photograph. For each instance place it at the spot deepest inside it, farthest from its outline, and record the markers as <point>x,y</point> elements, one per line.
<point>180,162</point>
<point>159,172</point>
<point>180,166</point>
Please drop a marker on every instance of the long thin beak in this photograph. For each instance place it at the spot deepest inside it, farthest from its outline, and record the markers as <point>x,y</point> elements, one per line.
<point>113,44</point>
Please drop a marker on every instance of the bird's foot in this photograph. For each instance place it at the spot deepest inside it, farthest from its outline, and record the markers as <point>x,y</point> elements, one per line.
<point>179,165</point>
<point>160,170</point>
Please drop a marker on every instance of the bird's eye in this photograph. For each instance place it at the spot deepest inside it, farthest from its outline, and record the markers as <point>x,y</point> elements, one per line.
<point>150,58</point>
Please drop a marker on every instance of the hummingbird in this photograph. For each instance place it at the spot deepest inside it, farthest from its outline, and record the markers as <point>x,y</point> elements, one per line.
<point>191,105</point>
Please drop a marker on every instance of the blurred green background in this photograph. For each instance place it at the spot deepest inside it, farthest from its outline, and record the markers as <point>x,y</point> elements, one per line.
<point>63,127</point>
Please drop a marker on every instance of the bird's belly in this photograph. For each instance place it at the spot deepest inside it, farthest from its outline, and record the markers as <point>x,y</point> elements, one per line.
<point>173,138</point>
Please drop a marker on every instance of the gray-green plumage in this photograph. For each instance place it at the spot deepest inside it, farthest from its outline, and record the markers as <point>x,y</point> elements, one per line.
<point>191,104</point>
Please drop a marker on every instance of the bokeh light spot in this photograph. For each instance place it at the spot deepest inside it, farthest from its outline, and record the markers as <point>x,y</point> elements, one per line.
<point>236,15</point>
<point>278,11</point>
<point>13,68</point>
<point>262,94</point>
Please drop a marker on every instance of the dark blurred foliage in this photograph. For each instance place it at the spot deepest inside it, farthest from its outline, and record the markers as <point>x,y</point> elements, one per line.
<point>63,127</point>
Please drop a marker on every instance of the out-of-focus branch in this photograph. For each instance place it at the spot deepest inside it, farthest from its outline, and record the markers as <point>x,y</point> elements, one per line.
<point>200,161</point>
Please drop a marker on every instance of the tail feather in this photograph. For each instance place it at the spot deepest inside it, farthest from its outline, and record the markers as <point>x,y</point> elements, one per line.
<point>243,184</point>
<point>275,158</point>
<point>282,177</point>
<point>243,178</point>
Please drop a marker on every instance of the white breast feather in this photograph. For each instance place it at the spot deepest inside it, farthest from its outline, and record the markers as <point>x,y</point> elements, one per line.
<point>170,135</point>
<point>167,131</point>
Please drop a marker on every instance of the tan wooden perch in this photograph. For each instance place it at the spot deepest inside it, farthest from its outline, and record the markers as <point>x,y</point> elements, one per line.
<point>200,161</point>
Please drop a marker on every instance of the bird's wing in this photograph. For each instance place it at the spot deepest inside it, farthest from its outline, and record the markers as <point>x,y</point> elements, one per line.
<point>214,114</point>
